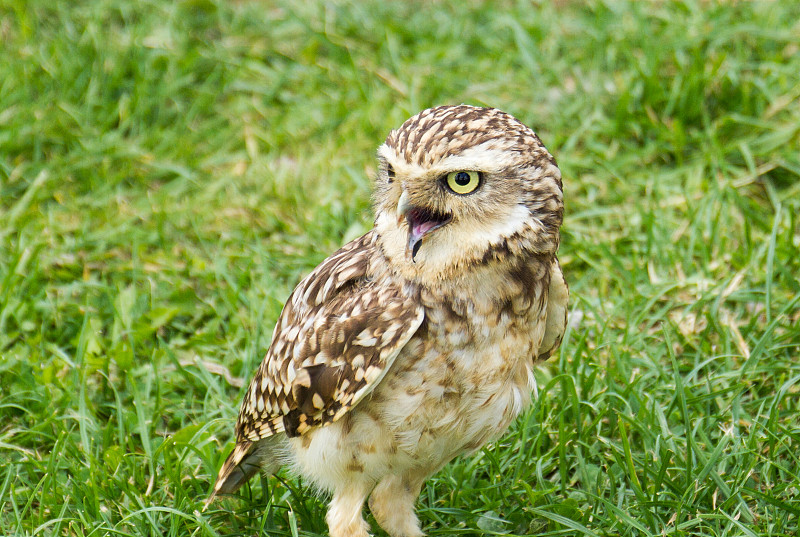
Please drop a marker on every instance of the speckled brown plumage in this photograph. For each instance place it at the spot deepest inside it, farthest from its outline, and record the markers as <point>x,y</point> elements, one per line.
<point>335,338</point>
<point>415,343</point>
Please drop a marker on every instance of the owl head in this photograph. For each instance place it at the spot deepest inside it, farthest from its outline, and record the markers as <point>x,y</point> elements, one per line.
<point>458,185</point>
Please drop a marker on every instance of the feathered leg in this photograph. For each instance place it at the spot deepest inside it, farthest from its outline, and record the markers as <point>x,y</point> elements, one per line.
<point>392,505</point>
<point>344,512</point>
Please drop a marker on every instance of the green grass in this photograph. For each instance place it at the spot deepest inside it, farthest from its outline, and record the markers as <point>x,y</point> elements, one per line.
<point>169,170</point>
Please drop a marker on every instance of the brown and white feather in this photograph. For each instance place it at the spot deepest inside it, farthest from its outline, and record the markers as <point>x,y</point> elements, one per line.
<point>336,336</point>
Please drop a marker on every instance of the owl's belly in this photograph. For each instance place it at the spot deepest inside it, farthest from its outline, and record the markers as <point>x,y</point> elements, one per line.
<point>438,406</point>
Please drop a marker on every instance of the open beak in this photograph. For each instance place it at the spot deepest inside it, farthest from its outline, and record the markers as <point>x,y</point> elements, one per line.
<point>420,220</point>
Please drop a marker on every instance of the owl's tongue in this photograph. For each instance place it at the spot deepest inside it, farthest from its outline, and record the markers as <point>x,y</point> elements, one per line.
<point>424,227</point>
<point>420,222</point>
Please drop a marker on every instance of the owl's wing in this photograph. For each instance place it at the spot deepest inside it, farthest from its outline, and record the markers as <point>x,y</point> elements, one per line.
<point>335,339</point>
<point>337,336</point>
<point>556,321</point>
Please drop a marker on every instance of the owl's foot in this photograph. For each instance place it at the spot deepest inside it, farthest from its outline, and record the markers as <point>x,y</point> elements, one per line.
<point>344,513</point>
<point>392,505</point>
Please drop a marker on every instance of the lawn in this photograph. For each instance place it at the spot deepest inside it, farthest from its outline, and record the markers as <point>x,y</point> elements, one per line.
<point>170,170</point>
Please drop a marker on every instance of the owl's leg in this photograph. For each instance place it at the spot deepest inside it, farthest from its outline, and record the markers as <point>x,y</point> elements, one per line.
<point>392,505</point>
<point>344,512</point>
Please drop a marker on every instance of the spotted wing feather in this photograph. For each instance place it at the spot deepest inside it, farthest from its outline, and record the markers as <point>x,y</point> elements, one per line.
<point>556,320</point>
<point>335,339</point>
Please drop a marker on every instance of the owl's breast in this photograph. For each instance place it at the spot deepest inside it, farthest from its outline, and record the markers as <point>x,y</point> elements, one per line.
<point>459,382</point>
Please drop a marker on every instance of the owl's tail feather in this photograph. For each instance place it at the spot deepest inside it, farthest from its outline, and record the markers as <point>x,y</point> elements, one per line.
<point>267,454</point>
<point>238,468</point>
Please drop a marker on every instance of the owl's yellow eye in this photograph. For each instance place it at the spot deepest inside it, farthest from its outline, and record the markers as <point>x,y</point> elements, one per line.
<point>463,182</point>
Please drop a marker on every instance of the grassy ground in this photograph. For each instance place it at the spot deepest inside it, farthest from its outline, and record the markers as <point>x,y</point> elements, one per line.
<point>169,170</point>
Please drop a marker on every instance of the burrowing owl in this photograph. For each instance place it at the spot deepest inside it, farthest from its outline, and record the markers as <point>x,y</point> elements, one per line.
<point>414,343</point>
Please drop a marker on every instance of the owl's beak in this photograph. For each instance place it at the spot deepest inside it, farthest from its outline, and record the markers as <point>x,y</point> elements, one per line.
<point>420,220</point>
<point>403,206</point>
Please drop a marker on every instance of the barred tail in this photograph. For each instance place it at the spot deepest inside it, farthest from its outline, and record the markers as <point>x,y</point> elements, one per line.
<point>241,465</point>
